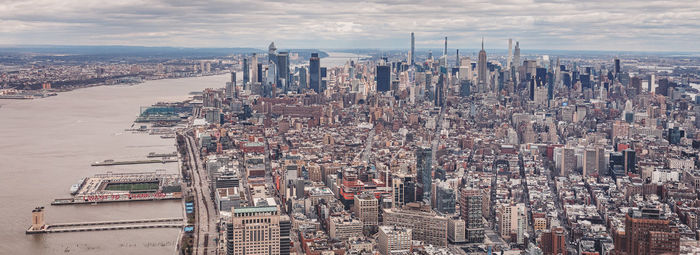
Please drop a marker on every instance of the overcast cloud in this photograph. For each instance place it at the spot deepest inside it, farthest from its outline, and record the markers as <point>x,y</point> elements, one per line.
<point>550,24</point>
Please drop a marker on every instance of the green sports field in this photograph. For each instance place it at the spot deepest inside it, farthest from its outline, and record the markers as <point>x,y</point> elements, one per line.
<point>141,186</point>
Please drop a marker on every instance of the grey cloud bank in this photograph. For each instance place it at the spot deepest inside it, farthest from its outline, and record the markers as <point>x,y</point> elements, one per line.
<point>566,25</point>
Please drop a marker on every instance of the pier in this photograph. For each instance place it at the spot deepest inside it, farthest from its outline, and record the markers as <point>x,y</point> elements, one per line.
<point>39,227</point>
<point>98,199</point>
<point>133,162</point>
<point>162,155</point>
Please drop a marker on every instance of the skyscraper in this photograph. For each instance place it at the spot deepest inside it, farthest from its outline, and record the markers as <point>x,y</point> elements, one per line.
<point>510,54</point>
<point>457,59</point>
<point>444,52</point>
<point>383,78</point>
<point>482,71</point>
<point>283,70</point>
<point>246,72</point>
<point>516,57</point>
<point>303,78</point>
<point>315,72</point>
<point>254,67</point>
<point>272,53</point>
<point>413,52</point>
<point>424,161</point>
<point>440,91</point>
<point>231,89</point>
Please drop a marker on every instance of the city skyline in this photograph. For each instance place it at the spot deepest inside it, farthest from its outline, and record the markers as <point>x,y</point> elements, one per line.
<point>554,25</point>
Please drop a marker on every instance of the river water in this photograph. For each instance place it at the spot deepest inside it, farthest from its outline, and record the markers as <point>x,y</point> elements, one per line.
<point>47,145</point>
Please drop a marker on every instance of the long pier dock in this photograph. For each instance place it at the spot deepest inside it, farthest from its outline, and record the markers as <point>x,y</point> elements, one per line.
<point>133,162</point>
<point>107,225</point>
<point>162,155</point>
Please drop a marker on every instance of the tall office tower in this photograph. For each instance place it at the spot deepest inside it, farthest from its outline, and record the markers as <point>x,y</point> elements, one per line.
<point>366,208</point>
<point>283,70</point>
<point>648,231</point>
<point>403,190</point>
<point>285,234</point>
<point>483,71</point>
<point>246,73</point>
<point>553,242</point>
<point>303,78</point>
<point>427,225</point>
<point>394,240</point>
<point>617,67</point>
<point>412,54</point>
<point>424,162</point>
<point>430,54</point>
<point>510,54</point>
<point>254,67</point>
<point>516,56</point>
<point>383,78</point>
<point>254,230</point>
<point>315,72</point>
<point>470,205</point>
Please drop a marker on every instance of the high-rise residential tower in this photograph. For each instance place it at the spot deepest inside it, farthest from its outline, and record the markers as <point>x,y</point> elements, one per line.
<point>444,52</point>
<point>412,54</point>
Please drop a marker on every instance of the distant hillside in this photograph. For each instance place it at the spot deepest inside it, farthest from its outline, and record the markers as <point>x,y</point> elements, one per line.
<point>138,51</point>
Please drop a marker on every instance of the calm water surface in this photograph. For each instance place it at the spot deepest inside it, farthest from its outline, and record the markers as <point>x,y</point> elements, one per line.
<point>47,145</point>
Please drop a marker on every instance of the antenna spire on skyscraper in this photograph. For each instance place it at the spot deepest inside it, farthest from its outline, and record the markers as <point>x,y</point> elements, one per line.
<point>482,43</point>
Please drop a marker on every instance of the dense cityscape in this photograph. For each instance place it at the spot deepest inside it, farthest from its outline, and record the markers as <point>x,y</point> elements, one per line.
<point>405,153</point>
<point>426,147</point>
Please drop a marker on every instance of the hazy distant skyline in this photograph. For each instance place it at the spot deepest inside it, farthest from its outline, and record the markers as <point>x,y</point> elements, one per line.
<point>551,24</point>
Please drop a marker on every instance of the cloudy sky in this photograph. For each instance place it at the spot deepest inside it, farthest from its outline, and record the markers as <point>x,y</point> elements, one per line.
<point>636,25</point>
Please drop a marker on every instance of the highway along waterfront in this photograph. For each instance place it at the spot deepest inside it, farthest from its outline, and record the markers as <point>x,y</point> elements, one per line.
<point>48,145</point>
